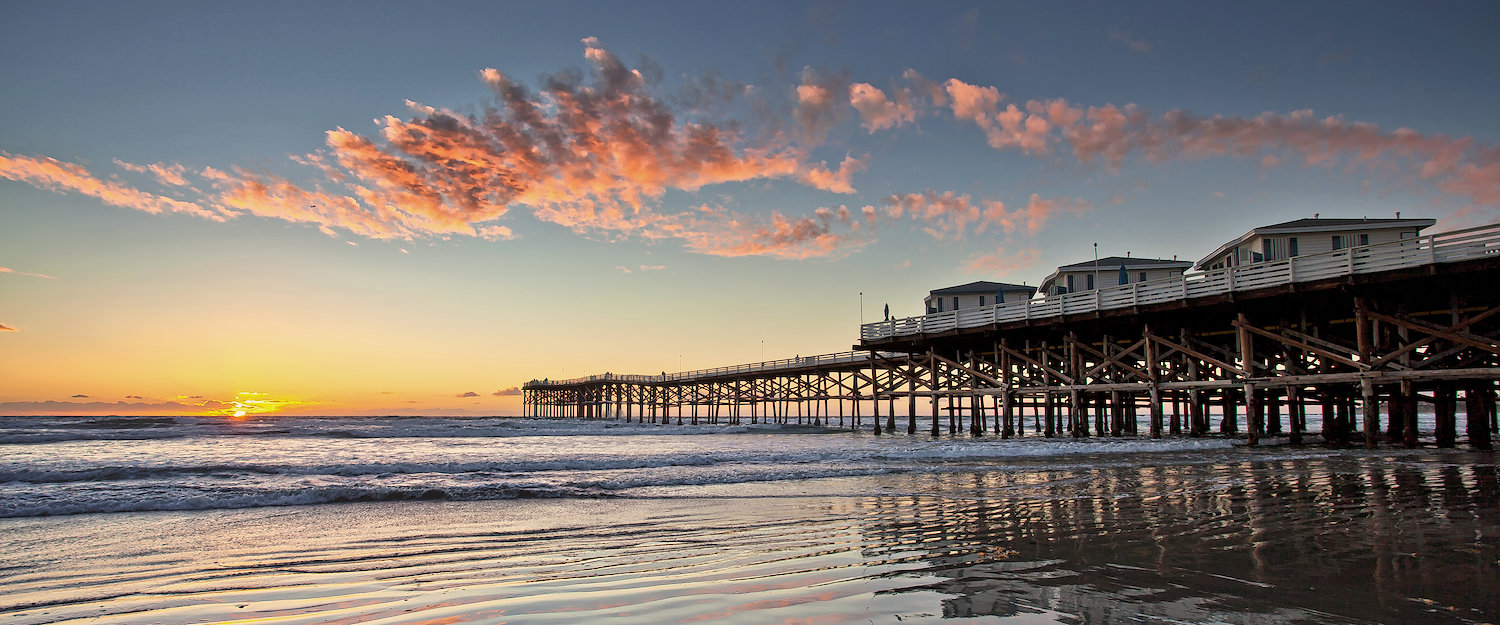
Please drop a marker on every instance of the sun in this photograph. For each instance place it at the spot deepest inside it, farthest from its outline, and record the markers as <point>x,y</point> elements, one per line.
<point>239,414</point>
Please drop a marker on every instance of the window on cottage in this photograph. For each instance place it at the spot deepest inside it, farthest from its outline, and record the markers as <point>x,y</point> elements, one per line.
<point>1143,277</point>
<point>1364,239</point>
<point>955,302</point>
<point>981,300</point>
<point>1070,285</point>
<point>1338,241</point>
<point>1089,280</point>
<point>1291,246</point>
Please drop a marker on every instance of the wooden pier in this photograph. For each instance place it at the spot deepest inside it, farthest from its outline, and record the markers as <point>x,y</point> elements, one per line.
<point>1361,337</point>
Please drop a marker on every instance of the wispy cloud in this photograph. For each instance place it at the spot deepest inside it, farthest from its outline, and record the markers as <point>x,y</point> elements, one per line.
<point>173,174</point>
<point>507,392</point>
<point>1000,263</point>
<point>52,174</point>
<point>6,328</point>
<point>467,394</point>
<point>1124,37</point>
<point>25,273</point>
<point>642,268</point>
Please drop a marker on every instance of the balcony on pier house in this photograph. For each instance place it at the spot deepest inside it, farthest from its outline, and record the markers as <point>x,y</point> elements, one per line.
<point>1309,236</point>
<point>1110,271</point>
<point>976,294</point>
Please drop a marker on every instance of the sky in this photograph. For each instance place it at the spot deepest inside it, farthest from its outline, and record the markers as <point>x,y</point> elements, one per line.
<point>382,208</point>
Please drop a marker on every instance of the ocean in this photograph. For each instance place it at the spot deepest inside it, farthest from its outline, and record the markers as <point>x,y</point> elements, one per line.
<point>505,520</point>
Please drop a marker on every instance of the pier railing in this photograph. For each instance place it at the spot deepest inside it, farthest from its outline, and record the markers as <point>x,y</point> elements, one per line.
<point>716,372</point>
<point>1444,247</point>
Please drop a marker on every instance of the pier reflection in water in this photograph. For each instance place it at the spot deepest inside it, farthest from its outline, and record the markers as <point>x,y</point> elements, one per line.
<point>1344,539</point>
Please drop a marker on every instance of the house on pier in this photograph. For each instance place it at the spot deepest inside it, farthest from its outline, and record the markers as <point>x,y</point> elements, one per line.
<point>1110,271</point>
<point>1310,236</point>
<point>976,294</point>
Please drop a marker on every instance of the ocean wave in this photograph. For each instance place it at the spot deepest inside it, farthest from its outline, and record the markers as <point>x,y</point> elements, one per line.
<point>592,485</point>
<point>939,450</point>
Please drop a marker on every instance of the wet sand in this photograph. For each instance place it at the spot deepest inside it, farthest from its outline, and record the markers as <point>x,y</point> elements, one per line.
<point>1241,536</point>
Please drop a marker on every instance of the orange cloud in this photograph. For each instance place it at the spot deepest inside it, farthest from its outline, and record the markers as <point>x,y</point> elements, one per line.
<point>6,328</point>
<point>592,152</point>
<point>819,176</point>
<point>52,174</point>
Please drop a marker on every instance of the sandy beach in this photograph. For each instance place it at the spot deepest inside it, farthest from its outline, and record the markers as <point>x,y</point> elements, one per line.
<point>1275,535</point>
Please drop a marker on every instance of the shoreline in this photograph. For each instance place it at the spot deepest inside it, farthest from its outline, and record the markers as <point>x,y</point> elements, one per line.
<point>1236,535</point>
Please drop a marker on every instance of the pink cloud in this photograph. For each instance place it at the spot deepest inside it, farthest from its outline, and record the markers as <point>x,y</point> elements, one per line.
<point>827,233</point>
<point>947,214</point>
<point>24,273</point>
<point>820,177</point>
<point>998,263</point>
<point>878,111</point>
<point>166,174</point>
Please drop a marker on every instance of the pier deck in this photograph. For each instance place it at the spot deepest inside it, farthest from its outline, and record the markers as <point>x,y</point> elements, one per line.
<point>1344,333</point>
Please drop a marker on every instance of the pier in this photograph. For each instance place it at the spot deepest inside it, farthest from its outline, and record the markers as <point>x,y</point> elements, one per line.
<point>1362,336</point>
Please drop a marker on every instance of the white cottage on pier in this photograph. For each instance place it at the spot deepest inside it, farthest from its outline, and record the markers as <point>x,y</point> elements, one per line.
<point>976,294</point>
<point>1110,271</point>
<point>1310,236</point>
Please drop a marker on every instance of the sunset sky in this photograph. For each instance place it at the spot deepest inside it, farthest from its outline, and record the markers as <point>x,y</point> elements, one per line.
<point>383,208</point>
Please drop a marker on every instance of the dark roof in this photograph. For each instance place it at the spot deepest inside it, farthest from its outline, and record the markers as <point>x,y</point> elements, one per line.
<point>1339,223</point>
<point>983,287</point>
<point>1114,262</point>
<point>1315,225</point>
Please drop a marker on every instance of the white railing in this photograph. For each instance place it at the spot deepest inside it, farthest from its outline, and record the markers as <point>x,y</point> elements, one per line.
<point>1444,247</point>
<point>772,365</point>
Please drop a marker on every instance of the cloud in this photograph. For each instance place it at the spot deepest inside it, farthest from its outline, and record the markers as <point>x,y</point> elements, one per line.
<point>1121,36</point>
<point>14,408</point>
<point>6,328</point>
<point>590,151</point>
<point>878,111</point>
<point>80,395</point>
<point>597,151</point>
<point>507,392</point>
<point>467,394</point>
<point>820,177</point>
<point>999,263</point>
<point>818,104</point>
<point>1111,134</point>
<point>828,232</point>
<point>134,397</point>
<point>1010,127</point>
<point>168,174</point>
<point>949,215</point>
<point>55,175</point>
<point>624,269</point>
<point>23,273</point>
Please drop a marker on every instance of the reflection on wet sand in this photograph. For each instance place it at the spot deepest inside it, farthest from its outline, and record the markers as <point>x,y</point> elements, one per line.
<point>1372,538</point>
